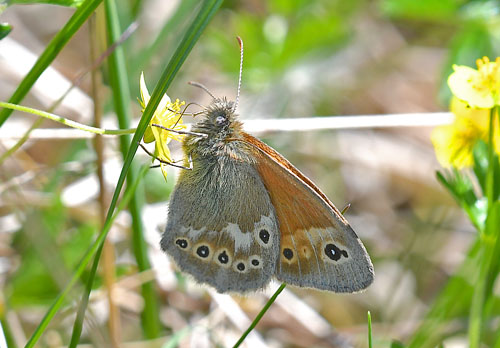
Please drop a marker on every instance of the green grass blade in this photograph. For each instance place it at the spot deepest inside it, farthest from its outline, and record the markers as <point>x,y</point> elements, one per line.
<point>121,97</point>
<point>207,11</point>
<point>70,3</point>
<point>83,264</point>
<point>80,315</point>
<point>260,315</point>
<point>370,342</point>
<point>51,51</point>
<point>7,334</point>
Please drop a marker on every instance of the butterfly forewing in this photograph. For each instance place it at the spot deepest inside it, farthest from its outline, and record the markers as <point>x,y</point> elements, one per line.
<point>318,248</point>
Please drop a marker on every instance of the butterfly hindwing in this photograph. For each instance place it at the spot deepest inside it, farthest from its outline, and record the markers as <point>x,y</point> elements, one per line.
<point>318,248</point>
<point>222,227</point>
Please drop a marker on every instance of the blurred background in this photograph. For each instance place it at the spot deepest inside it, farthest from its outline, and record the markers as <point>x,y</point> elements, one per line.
<point>314,58</point>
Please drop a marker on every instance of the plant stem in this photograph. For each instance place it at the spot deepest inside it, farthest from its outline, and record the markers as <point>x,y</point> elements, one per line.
<point>486,244</point>
<point>21,141</point>
<point>67,122</point>
<point>491,165</point>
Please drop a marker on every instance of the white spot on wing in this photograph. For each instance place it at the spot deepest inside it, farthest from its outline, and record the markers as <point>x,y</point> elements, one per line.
<point>241,240</point>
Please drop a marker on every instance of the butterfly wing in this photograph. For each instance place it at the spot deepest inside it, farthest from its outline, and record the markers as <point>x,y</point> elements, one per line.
<point>221,225</point>
<point>318,248</point>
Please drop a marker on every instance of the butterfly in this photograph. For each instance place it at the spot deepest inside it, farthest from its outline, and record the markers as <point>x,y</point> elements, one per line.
<point>244,215</point>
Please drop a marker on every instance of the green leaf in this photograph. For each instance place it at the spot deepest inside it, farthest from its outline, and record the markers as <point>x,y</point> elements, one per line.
<point>461,188</point>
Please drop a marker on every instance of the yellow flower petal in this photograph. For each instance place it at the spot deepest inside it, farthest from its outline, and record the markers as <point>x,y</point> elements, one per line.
<point>479,88</point>
<point>163,168</point>
<point>480,117</point>
<point>148,134</point>
<point>454,143</point>
<point>144,91</point>
<point>462,86</point>
<point>162,151</point>
<point>168,115</point>
<point>164,103</point>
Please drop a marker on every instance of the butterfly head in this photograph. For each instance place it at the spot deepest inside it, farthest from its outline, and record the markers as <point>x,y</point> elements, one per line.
<point>220,114</point>
<point>219,120</point>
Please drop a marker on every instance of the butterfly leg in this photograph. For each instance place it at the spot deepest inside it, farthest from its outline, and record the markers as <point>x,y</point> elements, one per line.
<point>165,162</point>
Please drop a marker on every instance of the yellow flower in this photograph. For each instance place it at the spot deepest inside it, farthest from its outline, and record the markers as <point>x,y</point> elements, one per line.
<point>167,114</point>
<point>454,143</point>
<point>478,88</point>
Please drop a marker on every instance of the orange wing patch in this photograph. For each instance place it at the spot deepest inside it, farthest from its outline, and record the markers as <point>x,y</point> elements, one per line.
<point>276,156</point>
<point>318,248</point>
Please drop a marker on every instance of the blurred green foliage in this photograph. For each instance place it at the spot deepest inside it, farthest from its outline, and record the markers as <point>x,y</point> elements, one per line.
<point>278,34</point>
<point>422,10</point>
<point>42,271</point>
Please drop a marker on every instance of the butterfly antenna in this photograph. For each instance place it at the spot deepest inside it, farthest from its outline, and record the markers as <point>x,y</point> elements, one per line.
<point>241,71</point>
<point>199,85</point>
